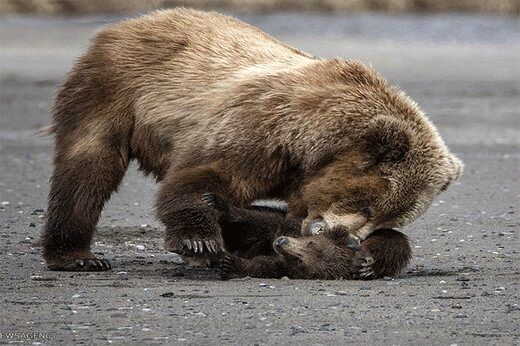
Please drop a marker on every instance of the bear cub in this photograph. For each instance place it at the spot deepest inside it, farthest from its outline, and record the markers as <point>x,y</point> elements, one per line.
<point>261,242</point>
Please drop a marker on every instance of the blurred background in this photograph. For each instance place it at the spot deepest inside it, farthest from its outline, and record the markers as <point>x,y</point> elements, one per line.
<point>78,7</point>
<point>459,59</point>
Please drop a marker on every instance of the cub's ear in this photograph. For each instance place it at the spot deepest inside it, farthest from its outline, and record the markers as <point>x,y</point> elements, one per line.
<point>386,140</point>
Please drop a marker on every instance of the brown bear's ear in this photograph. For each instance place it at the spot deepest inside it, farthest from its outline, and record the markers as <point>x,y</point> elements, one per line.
<point>456,167</point>
<point>387,140</point>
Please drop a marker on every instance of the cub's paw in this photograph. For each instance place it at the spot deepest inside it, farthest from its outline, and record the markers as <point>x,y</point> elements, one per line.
<point>364,270</point>
<point>229,265</point>
<point>79,263</point>
<point>367,272</point>
<point>216,202</point>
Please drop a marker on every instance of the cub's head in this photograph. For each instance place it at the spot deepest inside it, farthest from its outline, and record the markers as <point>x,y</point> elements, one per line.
<point>386,180</point>
<point>321,256</point>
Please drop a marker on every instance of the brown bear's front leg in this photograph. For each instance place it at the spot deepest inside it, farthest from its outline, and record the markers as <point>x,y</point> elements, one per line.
<point>191,223</point>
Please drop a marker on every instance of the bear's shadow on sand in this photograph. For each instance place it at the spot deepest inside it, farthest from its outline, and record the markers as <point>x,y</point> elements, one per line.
<point>181,272</point>
<point>148,267</point>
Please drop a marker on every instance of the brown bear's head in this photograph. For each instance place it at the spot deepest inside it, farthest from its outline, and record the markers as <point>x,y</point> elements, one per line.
<point>387,180</point>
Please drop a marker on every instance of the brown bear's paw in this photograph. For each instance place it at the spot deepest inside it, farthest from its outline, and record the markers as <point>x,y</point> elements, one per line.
<point>205,249</point>
<point>78,262</point>
<point>202,246</point>
<point>194,244</point>
<point>230,266</point>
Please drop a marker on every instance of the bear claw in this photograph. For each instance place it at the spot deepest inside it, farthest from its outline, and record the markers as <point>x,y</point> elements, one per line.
<point>229,266</point>
<point>197,246</point>
<point>82,264</point>
<point>226,266</point>
<point>215,201</point>
<point>209,198</point>
<point>366,271</point>
<point>366,274</point>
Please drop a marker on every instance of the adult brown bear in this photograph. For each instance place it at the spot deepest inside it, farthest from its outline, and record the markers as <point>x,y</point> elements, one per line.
<point>205,102</point>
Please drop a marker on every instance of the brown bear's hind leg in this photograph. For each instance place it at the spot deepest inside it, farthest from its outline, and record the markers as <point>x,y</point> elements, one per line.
<point>86,172</point>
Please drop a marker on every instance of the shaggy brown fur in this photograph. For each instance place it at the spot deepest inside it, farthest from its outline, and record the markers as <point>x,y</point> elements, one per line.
<point>264,243</point>
<point>205,102</point>
<point>386,252</point>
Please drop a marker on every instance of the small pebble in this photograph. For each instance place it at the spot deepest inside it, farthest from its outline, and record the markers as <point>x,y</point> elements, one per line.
<point>167,294</point>
<point>462,278</point>
<point>43,278</point>
<point>297,330</point>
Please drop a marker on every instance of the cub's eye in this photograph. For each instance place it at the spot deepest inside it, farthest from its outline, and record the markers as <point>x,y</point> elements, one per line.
<point>368,212</point>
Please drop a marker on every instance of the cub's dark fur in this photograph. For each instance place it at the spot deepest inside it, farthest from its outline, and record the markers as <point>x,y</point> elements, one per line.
<point>263,243</point>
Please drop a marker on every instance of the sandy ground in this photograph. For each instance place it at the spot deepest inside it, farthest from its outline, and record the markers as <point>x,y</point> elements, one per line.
<point>462,286</point>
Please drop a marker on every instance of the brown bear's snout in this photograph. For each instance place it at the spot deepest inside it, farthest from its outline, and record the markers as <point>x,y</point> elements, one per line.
<point>317,226</point>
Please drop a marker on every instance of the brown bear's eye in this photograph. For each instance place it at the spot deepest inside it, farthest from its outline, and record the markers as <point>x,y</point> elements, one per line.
<point>368,212</point>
